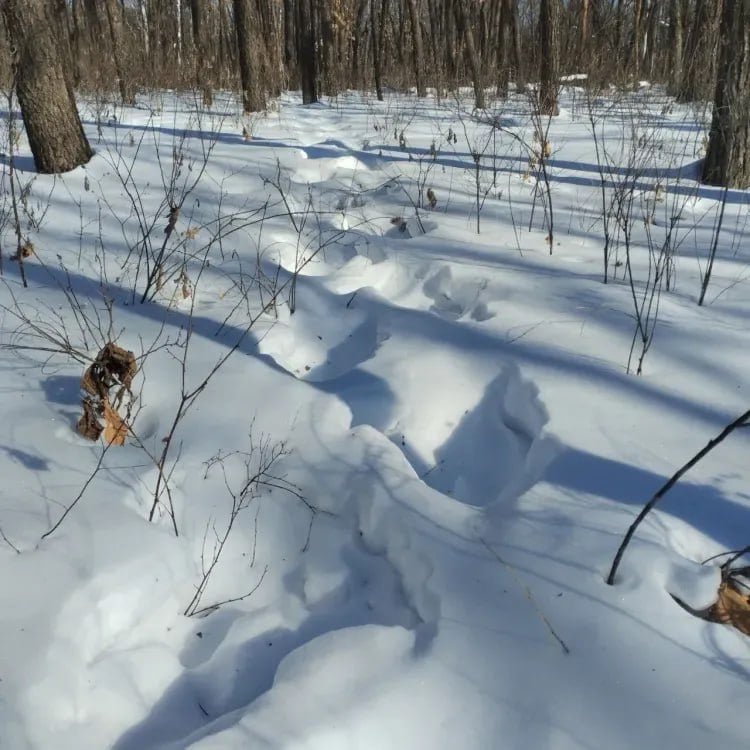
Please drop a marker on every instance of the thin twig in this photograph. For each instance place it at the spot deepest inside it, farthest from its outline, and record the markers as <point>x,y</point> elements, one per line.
<point>741,421</point>
<point>529,595</point>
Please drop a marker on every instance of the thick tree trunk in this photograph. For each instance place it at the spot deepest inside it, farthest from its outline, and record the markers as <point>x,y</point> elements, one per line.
<point>76,45</point>
<point>306,52</point>
<point>290,56</point>
<point>65,35</point>
<point>548,50</point>
<point>728,157</point>
<point>45,94</point>
<point>253,98</point>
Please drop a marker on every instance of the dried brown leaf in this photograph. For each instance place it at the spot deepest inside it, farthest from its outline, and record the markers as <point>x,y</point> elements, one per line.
<point>88,425</point>
<point>115,428</point>
<point>732,607</point>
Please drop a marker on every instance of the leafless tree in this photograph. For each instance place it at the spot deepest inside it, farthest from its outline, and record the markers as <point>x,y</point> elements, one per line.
<point>44,91</point>
<point>548,50</point>
<point>728,156</point>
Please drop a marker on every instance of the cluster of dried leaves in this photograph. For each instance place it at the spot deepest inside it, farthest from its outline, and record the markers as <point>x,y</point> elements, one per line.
<point>733,605</point>
<point>107,387</point>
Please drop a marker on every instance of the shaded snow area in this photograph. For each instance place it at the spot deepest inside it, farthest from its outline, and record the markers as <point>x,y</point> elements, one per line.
<point>396,435</point>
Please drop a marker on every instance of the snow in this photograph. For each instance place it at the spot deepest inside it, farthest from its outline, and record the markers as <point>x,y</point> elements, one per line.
<point>463,448</point>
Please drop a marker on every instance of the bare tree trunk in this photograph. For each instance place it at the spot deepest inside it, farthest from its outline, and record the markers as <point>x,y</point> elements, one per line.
<point>548,49</point>
<point>65,36</point>
<point>76,47</point>
<point>503,52</point>
<point>253,99</point>
<point>45,94</point>
<point>417,47</point>
<point>306,52</point>
<point>583,39</point>
<point>290,57</point>
<point>675,45</point>
<point>115,24</point>
<point>694,80</point>
<point>515,33</point>
<point>327,47</point>
<point>376,37</point>
<point>728,157</point>
<point>200,51</point>
<point>472,56</point>
<point>274,56</point>
<point>359,46</point>
<point>143,17</point>
<point>178,31</point>
<point>635,45</point>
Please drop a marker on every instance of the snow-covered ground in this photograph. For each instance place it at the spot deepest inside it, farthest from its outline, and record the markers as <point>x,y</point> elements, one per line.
<point>452,445</point>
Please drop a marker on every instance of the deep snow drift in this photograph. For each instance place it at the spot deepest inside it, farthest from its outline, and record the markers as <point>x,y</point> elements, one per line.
<point>446,444</point>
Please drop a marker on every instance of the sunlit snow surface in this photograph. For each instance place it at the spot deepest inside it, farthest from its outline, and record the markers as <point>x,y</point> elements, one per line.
<point>455,409</point>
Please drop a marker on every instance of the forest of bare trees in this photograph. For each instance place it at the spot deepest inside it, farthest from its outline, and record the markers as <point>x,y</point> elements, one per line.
<point>696,48</point>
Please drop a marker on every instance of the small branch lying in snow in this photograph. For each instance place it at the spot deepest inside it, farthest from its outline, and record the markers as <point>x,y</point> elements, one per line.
<point>529,595</point>
<point>8,542</point>
<point>213,607</point>
<point>86,484</point>
<point>742,421</point>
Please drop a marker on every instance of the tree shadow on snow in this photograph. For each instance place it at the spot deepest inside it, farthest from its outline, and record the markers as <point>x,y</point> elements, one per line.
<point>702,506</point>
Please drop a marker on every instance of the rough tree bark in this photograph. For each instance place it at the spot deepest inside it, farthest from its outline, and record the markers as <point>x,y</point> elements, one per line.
<point>44,92</point>
<point>548,51</point>
<point>253,99</point>
<point>306,52</point>
<point>728,156</point>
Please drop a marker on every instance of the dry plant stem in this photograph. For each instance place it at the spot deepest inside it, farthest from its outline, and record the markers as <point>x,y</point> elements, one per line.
<point>213,607</point>
<point>735,555</point>
<point>478,151</point>
<point>529,596</point>
<point>714,247</point>
<point>602,183</point>
<point>542,133</point>
<point>8,542</point>
<point>741,421</point>
<point>80,495</point>
<point>258,461</point>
